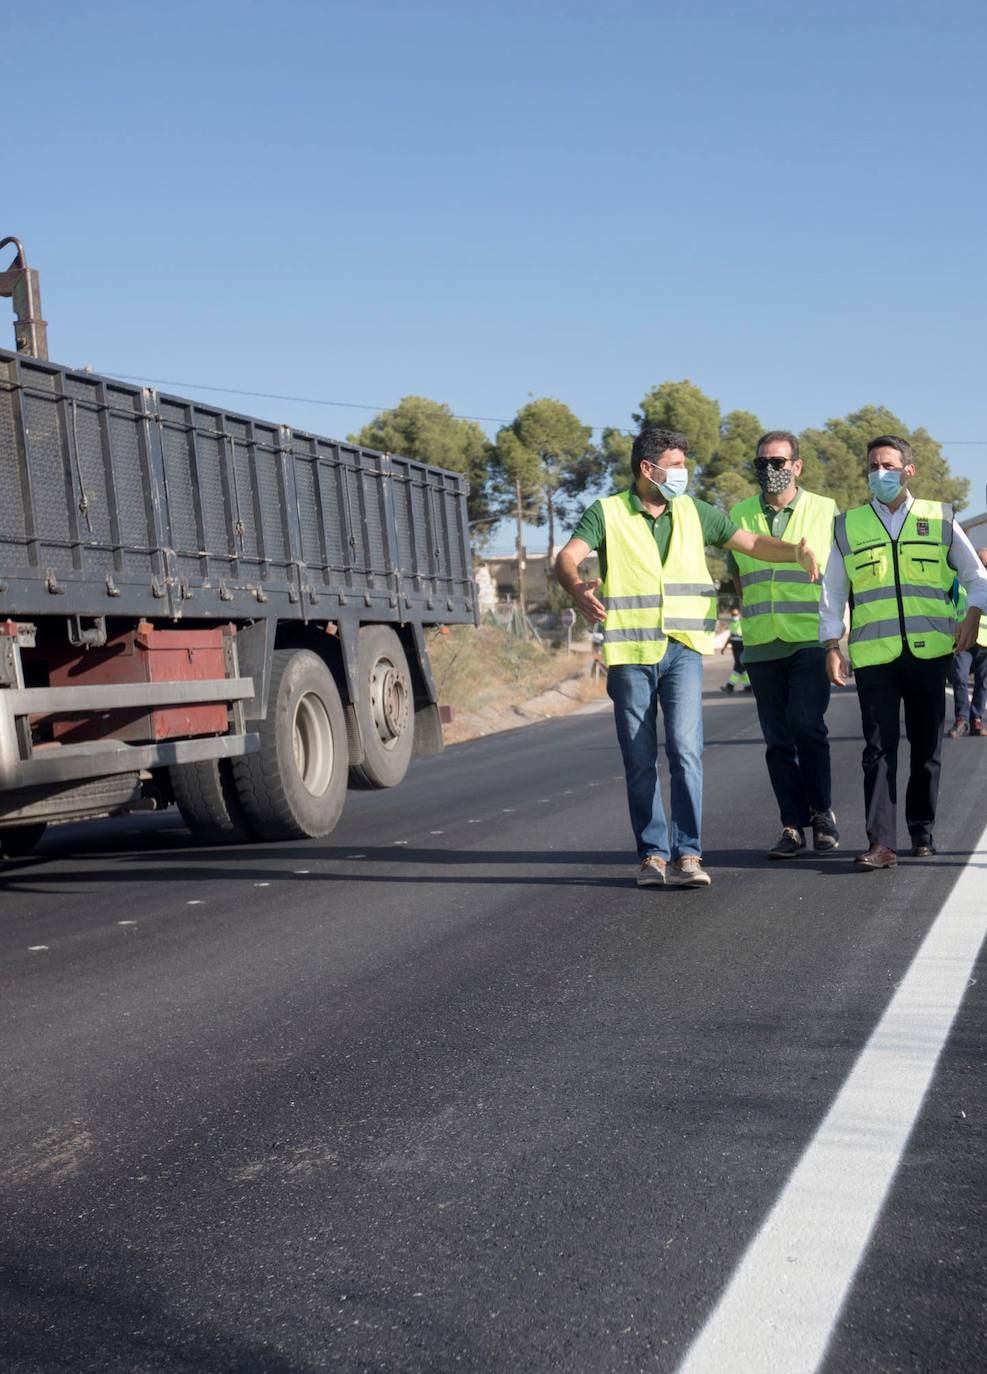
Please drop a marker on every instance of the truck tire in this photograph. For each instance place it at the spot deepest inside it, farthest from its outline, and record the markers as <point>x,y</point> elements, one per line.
<point>385,709</point>
<point>19,840</point>
<point>294,787</point>
<point>206,795</point>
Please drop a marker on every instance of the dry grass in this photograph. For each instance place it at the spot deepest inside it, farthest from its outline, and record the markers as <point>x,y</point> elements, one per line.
<point>485,674</point>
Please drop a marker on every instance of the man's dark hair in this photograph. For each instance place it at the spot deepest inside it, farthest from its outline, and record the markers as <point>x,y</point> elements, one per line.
<point>779,436</point>
<point>651,443</point>
<point>892,441</point>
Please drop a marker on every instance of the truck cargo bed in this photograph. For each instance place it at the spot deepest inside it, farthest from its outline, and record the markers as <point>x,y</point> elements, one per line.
<point>116,500</point>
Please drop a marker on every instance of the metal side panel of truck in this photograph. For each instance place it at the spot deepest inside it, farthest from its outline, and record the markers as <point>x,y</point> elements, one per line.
<point>290,577</point>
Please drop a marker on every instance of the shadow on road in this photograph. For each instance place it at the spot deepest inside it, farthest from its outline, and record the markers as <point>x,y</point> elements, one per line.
<point>168,857</point>
<point>70,1324</point>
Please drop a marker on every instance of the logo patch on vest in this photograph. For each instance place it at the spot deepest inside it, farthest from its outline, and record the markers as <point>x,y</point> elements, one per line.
<point>920,644</point>
<point>922,527</point>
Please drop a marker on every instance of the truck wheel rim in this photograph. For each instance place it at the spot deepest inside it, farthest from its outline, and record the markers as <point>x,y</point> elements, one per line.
<point>312,743</point>
<point>388,702</point>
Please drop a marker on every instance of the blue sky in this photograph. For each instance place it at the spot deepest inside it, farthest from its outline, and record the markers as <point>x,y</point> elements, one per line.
<point>480,203</point>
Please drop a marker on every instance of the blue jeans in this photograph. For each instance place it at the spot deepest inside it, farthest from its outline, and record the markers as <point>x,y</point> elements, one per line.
<point>792,695</point>
<point>637,690</point>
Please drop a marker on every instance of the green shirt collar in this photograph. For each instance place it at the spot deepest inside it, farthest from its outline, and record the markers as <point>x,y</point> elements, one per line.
<point>770,511</point>
<point>636,505</point>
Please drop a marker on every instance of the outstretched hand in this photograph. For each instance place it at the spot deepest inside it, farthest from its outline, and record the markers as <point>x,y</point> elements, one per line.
<point>587,602</point>
<point>807,560</point>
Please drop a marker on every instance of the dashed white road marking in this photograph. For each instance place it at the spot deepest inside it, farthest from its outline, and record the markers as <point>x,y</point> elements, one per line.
<point>436,832</point>
<point>126,923</point>
<point>356,856</point>
<point>36,949</point>
<point>196,901</point>
<point>262,884</point>
<point>782,1304</point>
<point>300,871</point>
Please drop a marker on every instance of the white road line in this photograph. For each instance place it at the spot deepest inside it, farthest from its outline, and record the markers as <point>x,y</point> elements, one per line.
<point>782,1303</point>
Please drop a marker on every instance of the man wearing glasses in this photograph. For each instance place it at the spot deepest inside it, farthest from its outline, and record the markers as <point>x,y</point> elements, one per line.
<point>896,559</point>
<point>782,654</point>
<point>657,603</point>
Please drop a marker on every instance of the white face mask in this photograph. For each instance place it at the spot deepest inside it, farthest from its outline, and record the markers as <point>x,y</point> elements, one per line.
<point>675,483</point>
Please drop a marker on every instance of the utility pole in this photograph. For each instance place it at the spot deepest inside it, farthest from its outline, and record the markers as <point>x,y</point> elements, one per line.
<point>522,579</point>
<point>21,283</point>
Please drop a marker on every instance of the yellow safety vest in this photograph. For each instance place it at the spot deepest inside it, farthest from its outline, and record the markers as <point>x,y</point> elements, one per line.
<point>646,599</point>
<point>779,601</point>
<point>900,588</point>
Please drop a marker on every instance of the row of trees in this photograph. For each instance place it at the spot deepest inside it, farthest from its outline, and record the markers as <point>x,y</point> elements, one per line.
<point>545,467</point>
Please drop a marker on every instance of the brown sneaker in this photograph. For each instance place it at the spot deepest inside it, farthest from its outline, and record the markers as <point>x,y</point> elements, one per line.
<point>688,872</point>
<point>875,857</point>
<point>652,872</point>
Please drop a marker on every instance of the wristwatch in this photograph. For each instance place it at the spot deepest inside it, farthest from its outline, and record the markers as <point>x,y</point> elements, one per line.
<point>831,644</point>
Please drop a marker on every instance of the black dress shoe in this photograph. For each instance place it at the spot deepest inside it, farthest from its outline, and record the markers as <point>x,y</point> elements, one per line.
<point>923,850</point>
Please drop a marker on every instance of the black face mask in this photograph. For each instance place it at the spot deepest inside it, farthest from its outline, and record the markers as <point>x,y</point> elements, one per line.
<point>773,481</point>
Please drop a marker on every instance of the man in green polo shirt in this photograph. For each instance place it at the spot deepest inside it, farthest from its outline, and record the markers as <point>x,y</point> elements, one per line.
<point>657,603</point>
<point>782,653</point>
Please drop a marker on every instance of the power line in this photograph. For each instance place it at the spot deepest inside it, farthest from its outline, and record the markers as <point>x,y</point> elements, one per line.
<point>357,405</point>
<point>310,400</point>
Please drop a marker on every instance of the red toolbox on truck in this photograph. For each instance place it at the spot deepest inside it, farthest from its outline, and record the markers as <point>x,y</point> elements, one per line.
<point>146,655</point>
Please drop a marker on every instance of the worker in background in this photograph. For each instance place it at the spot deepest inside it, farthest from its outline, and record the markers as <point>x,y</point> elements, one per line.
<point>735,643</point>
<point>896,558</point>
<point>657,604</point>
<point>969,719</point>
<point>782,653</point>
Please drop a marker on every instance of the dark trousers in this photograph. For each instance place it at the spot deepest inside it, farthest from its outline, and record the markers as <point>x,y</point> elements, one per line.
<point>792,695</point>
<point>919,683</point>
<point>959,676</point>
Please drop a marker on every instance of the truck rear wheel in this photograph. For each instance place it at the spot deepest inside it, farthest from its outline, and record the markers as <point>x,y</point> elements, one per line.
<point>206,795</point>
<point>385,709</point>
<point>18,841</point>
<point>295,786</point>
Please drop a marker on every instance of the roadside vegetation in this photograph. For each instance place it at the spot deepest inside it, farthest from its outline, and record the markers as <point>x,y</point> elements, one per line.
<point>494,681</point>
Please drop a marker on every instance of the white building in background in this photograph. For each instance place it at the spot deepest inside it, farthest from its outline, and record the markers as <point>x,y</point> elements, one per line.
<point>502,572</point>
<point>486,591</point>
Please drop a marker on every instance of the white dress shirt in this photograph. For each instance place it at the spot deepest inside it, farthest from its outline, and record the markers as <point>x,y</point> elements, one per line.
<point>962,558</point>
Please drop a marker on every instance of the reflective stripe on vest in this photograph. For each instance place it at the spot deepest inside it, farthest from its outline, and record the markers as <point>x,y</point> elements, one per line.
<point>913,567</point>
<point>778,600</point>
<point>647,600</point>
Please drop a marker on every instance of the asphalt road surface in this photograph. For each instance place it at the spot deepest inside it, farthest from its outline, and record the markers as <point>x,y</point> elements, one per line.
<point>445,1092</point>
